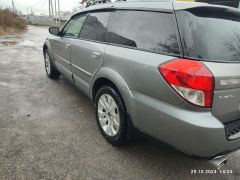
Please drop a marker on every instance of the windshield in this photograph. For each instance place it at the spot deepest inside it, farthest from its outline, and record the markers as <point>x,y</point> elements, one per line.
<point>210,33</point>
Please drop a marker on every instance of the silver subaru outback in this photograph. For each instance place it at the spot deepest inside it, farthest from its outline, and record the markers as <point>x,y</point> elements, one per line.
<point>168,69</point>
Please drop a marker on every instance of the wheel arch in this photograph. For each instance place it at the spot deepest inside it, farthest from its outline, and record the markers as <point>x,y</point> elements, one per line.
<point>46,46</point>
<point>107,76</point>
<point>100,82</point>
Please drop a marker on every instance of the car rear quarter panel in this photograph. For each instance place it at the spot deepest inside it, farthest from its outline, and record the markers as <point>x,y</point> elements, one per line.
<point>139,71</point>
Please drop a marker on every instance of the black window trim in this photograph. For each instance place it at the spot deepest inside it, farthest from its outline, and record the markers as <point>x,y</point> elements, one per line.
<point>179,39</point>
<point>113,10</point>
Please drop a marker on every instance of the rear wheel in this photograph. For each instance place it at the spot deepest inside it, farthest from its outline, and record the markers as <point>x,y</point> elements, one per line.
<point>111,115</point>
<point>51,71</point>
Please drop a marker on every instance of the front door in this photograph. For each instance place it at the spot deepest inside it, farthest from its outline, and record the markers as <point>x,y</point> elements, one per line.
<point>61,46</point>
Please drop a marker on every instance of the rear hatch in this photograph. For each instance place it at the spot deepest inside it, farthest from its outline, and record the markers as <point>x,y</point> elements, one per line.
<point>212,34</point>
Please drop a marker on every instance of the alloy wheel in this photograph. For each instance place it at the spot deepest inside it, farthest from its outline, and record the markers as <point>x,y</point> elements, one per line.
<point>108,115</point>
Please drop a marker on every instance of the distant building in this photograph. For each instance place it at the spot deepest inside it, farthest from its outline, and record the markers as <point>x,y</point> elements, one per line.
<point>39,20</point>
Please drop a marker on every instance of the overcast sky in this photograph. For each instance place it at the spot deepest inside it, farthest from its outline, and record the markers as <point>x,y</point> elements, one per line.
<point>38,6</point>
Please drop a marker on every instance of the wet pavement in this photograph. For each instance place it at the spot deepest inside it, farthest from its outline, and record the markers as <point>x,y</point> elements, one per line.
<point>48,129</point>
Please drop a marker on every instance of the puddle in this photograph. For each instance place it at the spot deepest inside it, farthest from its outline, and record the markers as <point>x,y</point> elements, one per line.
<point>12,37</point>
<point>8,43</point>
<point>10,40</point>
<point>27,43</point>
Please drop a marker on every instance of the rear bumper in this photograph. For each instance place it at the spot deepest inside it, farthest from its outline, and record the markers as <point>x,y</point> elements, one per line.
<point>196,133</point>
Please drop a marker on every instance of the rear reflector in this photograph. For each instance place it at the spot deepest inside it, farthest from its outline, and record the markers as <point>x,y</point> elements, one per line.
<point>192,80</point>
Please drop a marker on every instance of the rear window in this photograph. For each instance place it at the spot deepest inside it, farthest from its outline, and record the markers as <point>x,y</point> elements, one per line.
<point>210,33</point>
<point>151,31</point>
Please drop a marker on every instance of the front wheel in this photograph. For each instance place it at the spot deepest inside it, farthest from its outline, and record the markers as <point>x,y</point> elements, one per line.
<point>51,71</point>
<point>111,115</point>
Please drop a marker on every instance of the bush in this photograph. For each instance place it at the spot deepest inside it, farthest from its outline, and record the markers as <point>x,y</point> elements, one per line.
<point>10,20</point>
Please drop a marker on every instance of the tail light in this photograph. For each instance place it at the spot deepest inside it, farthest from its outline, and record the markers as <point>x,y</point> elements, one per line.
<point>192,80</point>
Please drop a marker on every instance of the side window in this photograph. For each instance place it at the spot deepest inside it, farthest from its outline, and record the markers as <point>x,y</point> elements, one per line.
<point>74,26</point>
<point>95,26</point>
<point>151,31</point>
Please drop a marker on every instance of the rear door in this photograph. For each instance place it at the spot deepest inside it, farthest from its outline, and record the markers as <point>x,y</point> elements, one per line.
<point>138,42</point>
<point>212,34</point>
<point>88,50</point>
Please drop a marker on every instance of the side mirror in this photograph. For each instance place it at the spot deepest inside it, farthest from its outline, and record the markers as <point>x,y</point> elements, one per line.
<point>54,31</point>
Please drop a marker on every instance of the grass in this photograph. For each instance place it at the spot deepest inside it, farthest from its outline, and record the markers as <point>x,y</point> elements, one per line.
<point>10,31</point>
<point>11,23</point>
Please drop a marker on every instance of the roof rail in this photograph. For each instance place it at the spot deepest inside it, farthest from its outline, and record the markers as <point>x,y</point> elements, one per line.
<point>95,2</point>
<point>100,2</point>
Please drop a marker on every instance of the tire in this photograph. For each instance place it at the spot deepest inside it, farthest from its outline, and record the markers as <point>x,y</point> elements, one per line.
<point>51,71</point>
<point>111,115</point>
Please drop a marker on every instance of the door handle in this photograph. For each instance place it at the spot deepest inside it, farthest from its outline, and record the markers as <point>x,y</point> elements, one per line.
<point>67,46</point>
<point>96,55</point>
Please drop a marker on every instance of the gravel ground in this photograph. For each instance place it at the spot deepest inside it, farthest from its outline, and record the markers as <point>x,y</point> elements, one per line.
<point>48,128</point>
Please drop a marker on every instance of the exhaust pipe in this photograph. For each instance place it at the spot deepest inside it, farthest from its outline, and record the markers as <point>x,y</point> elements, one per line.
<point>218,161</point>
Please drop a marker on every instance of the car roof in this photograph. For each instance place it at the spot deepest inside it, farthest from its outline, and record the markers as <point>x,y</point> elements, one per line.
<point>154,5</point>
<point>163,5</point>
